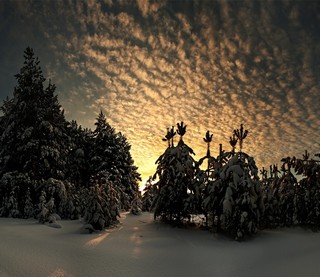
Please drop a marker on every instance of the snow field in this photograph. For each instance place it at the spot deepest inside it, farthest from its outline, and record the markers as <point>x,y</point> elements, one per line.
<point>142,247</point>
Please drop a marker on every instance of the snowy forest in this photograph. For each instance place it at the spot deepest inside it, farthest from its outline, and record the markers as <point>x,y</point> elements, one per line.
<point>227,193</point>
<point>51,168</point>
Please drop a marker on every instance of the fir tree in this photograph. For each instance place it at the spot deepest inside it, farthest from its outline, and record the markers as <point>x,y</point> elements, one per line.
<point>175,171</point>
<point>306,191</point>
<point>235,196</point>
<point>97,211</point>
<point>130,177</point>
<point>28,210</point>
<point>271,198</point>
<point>286,190</point>
<point>136,204</point>
<point>43,212</point>
<point>111,155</point>
<point>33,144</point>
<point>148,196</point>
<point>113,201</point>
<point>11,185</point>
<point>81,143</point>
<point>201,181</point>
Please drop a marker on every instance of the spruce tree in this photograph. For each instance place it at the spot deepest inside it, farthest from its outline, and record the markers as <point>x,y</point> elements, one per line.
<point>175,170</point>
<point>148,195</point>
<point>110,157</point>
<point>234,196</point>
<point>97,213</point>
<point>285,193</point>
<point>33,144</point>
<point>305,193</point>
<point>136,204</point>
<point>242,203</point>
<point>80,146</point>
<point>130,177</point>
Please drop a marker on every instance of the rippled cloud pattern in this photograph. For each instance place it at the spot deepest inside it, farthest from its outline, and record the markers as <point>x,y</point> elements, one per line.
<point>211,64</point>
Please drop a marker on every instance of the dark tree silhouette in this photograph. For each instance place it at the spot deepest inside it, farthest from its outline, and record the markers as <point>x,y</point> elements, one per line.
<point>241,134</point>
<point>208,139</point>
<point>233,142</point>
<point>33,144</point>
<point>181,130</point>
<point>49,166</point>
<point>175,171</point>
<point>234,197</point>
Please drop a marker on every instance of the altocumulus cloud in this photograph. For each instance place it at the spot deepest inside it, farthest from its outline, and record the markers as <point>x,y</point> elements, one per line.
<point>212,64</point>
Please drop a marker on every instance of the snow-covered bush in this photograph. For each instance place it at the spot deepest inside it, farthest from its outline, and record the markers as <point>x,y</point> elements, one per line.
<point>73,207</point>
<point>136,204</point>
<point>101,204</point>
<point>57,190</point>
<point>15,191</point>
<point>43,211</point>
<point>12,205</point>
<point>113,201</point>
<point>28,210</point>
<point>149,193</point>
<point>97,213</point>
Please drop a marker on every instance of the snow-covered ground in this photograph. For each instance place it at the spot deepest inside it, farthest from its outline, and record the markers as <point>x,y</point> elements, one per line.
<point>142,247</point>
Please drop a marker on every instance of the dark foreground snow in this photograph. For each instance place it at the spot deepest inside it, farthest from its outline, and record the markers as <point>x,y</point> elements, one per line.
<point>141,247</point>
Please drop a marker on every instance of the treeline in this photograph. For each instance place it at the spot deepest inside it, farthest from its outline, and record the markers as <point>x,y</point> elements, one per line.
<point>52,168</point>
<point>227,192</point>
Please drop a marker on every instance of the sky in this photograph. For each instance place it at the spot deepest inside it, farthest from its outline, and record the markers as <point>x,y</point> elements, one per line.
<point>151,64</point>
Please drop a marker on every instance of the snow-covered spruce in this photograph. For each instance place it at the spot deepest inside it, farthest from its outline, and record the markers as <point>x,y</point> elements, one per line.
<point>33,142</point>
<point>148,196</point>
<point>110,156</point>
<point>46,162</point>
<point>307,191</point>
<point>199,186</point>
<point>28,209</point>
<point>235,197</point>
<point>97,213</point>
<point>136,204</point>
<point>280,197</point>
<point>175,171</point>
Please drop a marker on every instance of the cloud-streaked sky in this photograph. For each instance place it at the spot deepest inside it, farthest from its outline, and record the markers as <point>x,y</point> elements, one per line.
<point>151,64</point>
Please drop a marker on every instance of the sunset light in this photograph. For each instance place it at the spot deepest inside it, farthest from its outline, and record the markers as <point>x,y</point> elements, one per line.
<point>151,137</point>
<point>149,65</point>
